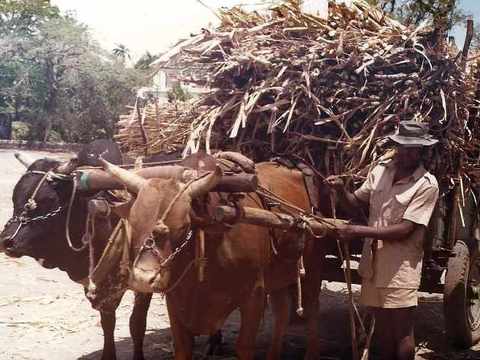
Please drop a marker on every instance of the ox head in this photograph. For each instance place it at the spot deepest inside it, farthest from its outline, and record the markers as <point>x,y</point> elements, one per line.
<point>160,222</point>
<point>38,225</point>
<point>39,203</point>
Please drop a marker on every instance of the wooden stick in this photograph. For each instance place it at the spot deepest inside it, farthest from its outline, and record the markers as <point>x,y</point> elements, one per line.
<point>254,216</point>
<point>201,255</point>
<point>468,41</point>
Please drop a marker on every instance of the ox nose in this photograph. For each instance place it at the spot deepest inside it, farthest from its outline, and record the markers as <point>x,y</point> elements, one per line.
<point>6,244</point>
<point>3,243</point>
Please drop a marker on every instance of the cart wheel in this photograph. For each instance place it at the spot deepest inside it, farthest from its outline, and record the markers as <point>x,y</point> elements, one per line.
<point>461,296</point>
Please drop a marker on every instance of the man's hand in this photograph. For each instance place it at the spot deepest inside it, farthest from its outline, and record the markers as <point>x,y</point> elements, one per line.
<point>335,183</point>
<point>346,232</point>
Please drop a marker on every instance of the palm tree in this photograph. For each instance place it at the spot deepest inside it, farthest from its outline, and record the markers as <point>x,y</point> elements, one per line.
<point>121,52</point>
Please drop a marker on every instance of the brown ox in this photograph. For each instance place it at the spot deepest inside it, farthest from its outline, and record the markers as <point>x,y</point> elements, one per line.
<point>240,266</point>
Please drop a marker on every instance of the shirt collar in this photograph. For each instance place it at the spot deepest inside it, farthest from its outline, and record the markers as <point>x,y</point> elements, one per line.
<point>417,174</point>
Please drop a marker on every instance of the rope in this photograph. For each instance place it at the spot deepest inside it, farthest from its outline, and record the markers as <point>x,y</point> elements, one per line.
<point>348,280</point>
<point>176,197</point>
<point>365,353</point>
<point>180,278</point>
<point>31,204</point>
<point>347,272</point>
<point>300,271</point>
<point>67,222</point>
<point>272,196</point>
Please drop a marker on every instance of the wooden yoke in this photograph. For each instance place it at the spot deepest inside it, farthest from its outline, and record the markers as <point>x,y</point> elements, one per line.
<point>94,179</point>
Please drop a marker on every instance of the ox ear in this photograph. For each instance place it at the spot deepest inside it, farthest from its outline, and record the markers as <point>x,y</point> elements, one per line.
<point>67,167</point>
<point>132,181</point>
<point>204,184</point>
<point>24,159</point>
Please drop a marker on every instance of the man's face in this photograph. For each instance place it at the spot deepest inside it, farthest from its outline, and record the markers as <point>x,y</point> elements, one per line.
<point>408,156</point>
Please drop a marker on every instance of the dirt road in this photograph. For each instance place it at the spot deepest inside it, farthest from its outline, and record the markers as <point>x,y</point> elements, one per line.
<point>45,316</point>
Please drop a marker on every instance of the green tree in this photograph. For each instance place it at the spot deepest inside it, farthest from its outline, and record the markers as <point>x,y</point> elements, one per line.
<point>23,17</point>
<point>446,13</point>
<point>145,60</point>
<point>60,82</point>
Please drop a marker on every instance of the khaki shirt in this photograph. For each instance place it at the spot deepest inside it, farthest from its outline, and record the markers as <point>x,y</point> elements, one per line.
<point>396,264</point>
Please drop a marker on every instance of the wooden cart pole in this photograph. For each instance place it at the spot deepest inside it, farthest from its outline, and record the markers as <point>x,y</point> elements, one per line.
<point>255,216</point>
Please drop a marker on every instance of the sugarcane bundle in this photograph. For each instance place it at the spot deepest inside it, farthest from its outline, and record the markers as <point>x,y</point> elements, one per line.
<point>324,91</point>
<point>151,129</point>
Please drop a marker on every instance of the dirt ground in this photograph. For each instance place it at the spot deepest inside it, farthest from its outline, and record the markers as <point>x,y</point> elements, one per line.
<point>44,315</point>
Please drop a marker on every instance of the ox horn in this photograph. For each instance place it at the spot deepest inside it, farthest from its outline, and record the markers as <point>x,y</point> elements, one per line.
<point>162,172</point>
<point>67,167</point>
<point>132,181</point>
<point>204,184</point>
<point>24,159</point>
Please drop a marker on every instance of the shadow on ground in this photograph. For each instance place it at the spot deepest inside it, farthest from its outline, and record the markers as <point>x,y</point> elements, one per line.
<point>334,326</point>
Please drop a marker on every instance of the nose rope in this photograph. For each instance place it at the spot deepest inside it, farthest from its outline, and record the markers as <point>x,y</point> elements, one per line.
<point>177,196</point>
<point>31,205</point>
<point>169,258</point>
<point>165,262</point>
<point>84,239</point>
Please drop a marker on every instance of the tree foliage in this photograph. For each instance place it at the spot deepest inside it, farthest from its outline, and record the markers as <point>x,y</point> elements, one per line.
<point>23,17</point>
<point>55,78</point>
<point>416,11</point>
<point>145,60</point>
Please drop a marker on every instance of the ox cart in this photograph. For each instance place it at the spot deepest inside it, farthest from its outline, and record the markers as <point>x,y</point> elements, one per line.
<point>451,261</point>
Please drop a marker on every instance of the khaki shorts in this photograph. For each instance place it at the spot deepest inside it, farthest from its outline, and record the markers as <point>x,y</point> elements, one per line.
<point>389,298</point>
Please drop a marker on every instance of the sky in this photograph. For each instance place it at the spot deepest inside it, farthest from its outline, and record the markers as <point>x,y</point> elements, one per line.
<point>155,25</point>
<point>471,7</point>
<point>142,25</point>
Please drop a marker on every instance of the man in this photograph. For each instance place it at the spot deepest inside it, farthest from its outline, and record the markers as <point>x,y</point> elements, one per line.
<point>401,196</point>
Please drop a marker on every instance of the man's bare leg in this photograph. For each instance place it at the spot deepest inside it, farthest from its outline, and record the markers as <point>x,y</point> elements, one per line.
<point>403,323</point>
<point>383,333</point>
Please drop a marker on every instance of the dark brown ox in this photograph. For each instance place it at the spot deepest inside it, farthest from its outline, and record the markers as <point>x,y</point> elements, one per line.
<point>43,231</point>
<point>240,266</point>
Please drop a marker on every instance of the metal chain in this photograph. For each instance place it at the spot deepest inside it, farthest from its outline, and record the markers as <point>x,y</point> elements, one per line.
<point>177,250</point>
<point>23,219</point>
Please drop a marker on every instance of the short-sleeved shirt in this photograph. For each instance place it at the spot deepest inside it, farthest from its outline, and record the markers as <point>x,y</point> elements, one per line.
<point>396,263</point>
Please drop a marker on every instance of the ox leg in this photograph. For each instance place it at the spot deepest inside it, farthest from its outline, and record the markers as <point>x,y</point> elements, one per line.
<point>182,337</point>
<point>251,315</point>
<point>138,323</point>
<point>215,341</point>
<point>108,320</point>
<point>311,290</point>
<point>279,301</point>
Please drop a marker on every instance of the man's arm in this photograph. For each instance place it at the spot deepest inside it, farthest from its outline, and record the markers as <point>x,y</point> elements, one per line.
<point>347,199</point>
<point>395,232</point>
